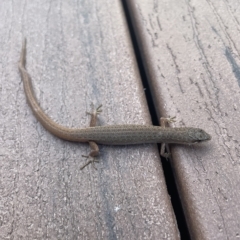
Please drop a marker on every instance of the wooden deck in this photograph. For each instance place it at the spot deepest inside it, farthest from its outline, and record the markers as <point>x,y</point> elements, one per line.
<point>80,53</point>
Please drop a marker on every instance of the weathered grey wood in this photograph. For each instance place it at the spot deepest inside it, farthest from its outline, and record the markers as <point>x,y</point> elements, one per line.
<point>191,54</point>
<point>78,52</point>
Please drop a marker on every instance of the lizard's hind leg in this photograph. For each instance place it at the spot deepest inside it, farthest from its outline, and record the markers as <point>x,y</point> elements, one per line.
<point>94,147</point>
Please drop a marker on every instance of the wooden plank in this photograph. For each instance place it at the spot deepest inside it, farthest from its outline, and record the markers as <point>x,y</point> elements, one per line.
<point>191,54</point>
<point>78,52</point>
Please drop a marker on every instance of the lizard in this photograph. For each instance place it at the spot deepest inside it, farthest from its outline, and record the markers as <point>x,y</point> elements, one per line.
<point>109,134</point>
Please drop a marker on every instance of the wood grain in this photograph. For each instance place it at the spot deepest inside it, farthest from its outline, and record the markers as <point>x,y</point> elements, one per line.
<point>191,52</point>
<point>78,53</point>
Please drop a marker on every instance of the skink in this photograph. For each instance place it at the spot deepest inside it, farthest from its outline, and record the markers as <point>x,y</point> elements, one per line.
<point>109,134</point>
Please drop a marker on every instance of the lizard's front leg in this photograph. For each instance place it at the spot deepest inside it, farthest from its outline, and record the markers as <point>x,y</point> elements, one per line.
<point>165,150</point>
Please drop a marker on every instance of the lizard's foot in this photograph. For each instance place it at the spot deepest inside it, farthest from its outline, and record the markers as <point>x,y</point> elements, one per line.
<point>166,155</point>
<point>96,111</point>
<point>92,160</point>
<point>166,121</point>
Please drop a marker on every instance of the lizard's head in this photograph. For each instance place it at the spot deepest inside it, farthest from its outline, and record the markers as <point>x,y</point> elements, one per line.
<point>198,135</point>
